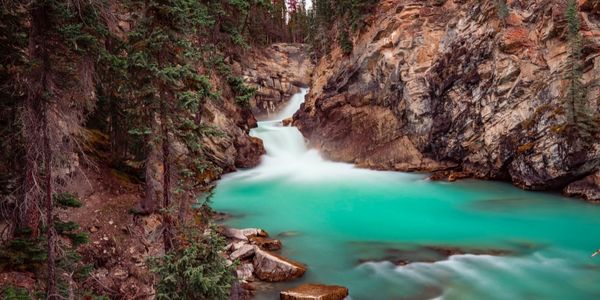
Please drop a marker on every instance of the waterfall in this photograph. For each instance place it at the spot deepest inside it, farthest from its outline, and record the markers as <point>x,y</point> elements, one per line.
<point>287,154</point>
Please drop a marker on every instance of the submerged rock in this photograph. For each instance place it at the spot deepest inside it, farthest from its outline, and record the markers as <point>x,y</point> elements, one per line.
<point>287,122</point>
<point>407,254</point>
<point>315,292</point>
<point>450,176</point>
<point>272,267</point>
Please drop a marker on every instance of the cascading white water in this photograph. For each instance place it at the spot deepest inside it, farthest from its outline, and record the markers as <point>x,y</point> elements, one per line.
<point>287,155</point>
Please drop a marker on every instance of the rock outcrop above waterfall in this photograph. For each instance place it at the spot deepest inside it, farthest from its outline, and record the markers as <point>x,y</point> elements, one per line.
<point>448,85</point>
<point>277,72</point>
<point>232,147</point>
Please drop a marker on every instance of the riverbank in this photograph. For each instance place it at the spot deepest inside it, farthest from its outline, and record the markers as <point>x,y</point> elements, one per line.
<point>400,235</point>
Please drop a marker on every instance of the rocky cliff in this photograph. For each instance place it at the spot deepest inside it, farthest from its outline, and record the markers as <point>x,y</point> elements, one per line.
<point>232,147</point>
<point>277,72</point>
<point>450,85</point>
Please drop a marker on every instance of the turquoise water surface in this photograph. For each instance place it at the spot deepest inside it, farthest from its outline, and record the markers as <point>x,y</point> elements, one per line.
<point>385,235</point>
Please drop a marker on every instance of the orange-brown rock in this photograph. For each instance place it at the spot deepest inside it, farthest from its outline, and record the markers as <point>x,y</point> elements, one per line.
<point>271,267</point>
<point>587,188</point>
<point>438,85</point>
<point>266,243</point>
<point>315,292</point>
<point>277,72</point>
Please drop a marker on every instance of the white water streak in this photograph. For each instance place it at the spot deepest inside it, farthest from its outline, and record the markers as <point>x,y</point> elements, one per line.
<point>288,156</point>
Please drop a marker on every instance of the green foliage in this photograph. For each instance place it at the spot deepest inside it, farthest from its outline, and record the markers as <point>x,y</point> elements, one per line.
<point>243,92</point>
<point>502,10</point>
<point>578,111</point>
<point>14,293</point>
<point>23,254</point>
<point>345,42</point>
<point>66,200</point>
<point>348,14</point>
<point>197,271</point>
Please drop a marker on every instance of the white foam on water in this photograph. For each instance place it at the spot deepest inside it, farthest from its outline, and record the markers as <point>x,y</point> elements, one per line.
<point>288,156</point>
<point>485,274</point>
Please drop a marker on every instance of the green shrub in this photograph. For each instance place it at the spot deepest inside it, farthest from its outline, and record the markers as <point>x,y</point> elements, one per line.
<point>345,42</point>
<point>243,92</point>
<point>14,293</point>
<point>196,271</point>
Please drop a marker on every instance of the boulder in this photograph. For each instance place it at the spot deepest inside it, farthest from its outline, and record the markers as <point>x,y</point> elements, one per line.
<point>266,243</point>
<point>245,272</point>
<point>315,292</point>
<point>243,252</point>
<point>287,122</point>
<point>587,188</point>
<point>272,267</point>
<point>249,232</point>
<point>242,234</point>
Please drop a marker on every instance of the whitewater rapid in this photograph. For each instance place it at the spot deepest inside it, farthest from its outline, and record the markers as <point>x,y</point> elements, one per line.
<point>287,155</point>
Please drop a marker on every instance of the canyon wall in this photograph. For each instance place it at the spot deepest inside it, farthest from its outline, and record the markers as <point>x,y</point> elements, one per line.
<point>277,72</point>
<point>449,85</point>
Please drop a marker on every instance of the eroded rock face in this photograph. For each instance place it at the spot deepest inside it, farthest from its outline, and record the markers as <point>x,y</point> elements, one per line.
<point>233,147</point>
<point>436,85</point>
<point>587,188</point>
<point>277,72</point>
<point>315,292</point>
<point>272,267</point>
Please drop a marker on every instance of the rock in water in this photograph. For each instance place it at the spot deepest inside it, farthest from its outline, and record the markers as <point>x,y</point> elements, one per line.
<point>287,122</point>
<point>242,234</point>
<point>243,252</point>
<point>315,292</point>
<point>266,243</point>
<point>587,188</point>
<point>244,272</point>
<point>271,267</point>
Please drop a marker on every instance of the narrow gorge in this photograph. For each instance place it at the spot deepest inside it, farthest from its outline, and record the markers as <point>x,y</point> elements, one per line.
<point>300,149</point>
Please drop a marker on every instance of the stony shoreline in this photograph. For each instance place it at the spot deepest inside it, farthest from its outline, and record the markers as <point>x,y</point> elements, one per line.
<point>257,261</point>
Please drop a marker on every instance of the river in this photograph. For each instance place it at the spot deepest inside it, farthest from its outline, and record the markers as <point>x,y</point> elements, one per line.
<point>392,235</point>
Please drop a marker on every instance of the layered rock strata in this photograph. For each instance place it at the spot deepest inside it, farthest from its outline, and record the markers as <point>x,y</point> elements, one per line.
<point>449,85</point>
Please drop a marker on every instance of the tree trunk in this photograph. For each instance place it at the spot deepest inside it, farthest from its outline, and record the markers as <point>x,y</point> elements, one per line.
<point>168,226</point>
<point>33,117</point>
<point>52,292</point>
<point>36,127</point>
<point>150,201</point>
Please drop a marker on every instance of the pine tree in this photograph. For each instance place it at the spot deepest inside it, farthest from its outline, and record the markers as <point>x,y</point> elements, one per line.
<point>578,115</point>
<point>59,91</point>
<point>168,91</point>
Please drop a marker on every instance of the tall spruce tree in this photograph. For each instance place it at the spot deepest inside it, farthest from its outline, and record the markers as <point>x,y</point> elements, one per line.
<point>59,90</point>
<point>167,89</point>
<point>577,108</point>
